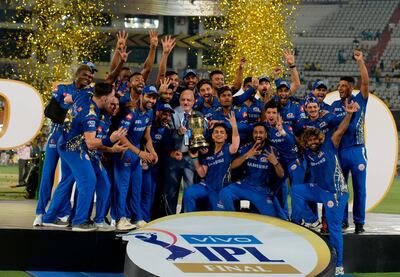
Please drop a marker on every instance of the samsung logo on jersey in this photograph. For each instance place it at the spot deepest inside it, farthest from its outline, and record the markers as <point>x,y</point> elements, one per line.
<point>139,129</point>
<point>277,140</point>
<point>260,166</point>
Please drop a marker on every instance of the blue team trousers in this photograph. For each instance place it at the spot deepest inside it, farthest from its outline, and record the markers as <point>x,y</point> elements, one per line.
<point>85,177</point>
<point>334,208</point>
<point>128,185</point>
<point>49,167</point>
<point>354,159</point>
<point>196,192</point>
<point>263,201</point>
<point>102,189</point>
<point>149,185</point>
<point>60,204</point>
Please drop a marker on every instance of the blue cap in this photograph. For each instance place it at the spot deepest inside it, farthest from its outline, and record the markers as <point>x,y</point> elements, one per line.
<point>263,78</point>
<point>311,99</point>
<point>165,107</point>
<point>149,90</point>
<point>188,72</point>
<point>318,84</point>
<point>91,65</point>
<point>283,84</point>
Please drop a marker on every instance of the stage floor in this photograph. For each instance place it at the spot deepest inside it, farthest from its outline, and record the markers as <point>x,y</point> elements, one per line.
<point>20,214</point>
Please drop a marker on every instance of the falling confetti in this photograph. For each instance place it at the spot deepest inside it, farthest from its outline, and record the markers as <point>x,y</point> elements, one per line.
<point>259,30</point>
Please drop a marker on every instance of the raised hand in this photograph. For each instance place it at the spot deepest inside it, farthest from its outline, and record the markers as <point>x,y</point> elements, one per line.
<point>289,56</point>
<point>122,36</point>
<point>351,107</point>
<point>277,71</point>
<point>120,133</point>
<point>153,38</point>
<point>254,151</point>
<point>279,123</point>
<point>231,118</point>
<point>164,84</point>
<point>254,82</point>
<point>168,43</point>
<point>271,157</point>
<point>123,54</point>
<point>358,55</point>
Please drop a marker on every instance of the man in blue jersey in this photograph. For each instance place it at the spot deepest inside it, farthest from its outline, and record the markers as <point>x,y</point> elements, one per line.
<point>328,185</point>
<point>215,168</point>
<point>352,150</point>
<point>57,110</point>
<point>128,168</point>
<point>208,101</point>
<point>319,91</point>
<point>74,145</point>
<point>260,164</point>
<point>154,174</point>
<point>282,138</point>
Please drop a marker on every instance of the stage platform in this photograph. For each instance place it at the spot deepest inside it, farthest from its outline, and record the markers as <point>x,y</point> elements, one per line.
<point>24,247</point>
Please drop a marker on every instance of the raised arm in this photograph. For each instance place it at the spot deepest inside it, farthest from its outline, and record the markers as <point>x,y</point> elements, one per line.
<point>294,74</point>
<point>123,57</point>
<point>168,44</point>
<point>338,134</point>
<point>235,134</point>
<point>358,55</point>
<point>237,84</point>
<point>148,64</point>
<point>122,37</point>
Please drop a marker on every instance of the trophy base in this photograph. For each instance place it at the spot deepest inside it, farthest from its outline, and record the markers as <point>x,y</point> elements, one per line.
<point>197,145</point>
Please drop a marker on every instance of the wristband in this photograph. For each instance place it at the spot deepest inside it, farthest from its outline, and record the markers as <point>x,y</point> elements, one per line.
<point>292,66</point>
<point>107,142</point>
<point>195,158</point>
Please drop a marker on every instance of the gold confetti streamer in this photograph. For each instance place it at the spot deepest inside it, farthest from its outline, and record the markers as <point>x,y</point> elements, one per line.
<point>259,30</point>
<point>59,36</point>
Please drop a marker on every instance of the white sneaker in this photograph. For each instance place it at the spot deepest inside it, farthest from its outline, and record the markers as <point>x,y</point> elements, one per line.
<point>113,222</point>
<point>314,226</point>
<point>140,223</point>
<point>38,220</point>
<point>339,270</point>
<point>124,225</point>
<point>84,227</point>
<point>64,218</point>
<point>103,226</point>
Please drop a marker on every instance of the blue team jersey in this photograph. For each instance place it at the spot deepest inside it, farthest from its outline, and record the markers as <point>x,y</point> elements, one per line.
<point>136,122</point>
<point>257,169</point>
<point>325,168</point>
<point>355,132</point>
<point>121,87</point>
<point>85,116</point>
<point>161,138</point>
<point>290,112</point>
<point>208,111</point>
<point>243,126</point>
<point>218,172</point>
<point>70,89</point>
<point>286,145</point>
<point>327,124</point>
<point>103,126</point>
<point>254,110</point>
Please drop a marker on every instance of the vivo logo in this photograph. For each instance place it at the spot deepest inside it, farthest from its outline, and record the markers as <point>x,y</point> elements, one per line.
<point>221,239</point>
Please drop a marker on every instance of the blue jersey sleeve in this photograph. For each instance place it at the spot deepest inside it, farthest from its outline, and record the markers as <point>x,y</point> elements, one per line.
<point>244,96</point>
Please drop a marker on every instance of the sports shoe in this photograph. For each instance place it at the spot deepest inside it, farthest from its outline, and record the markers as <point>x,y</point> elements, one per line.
<point>84,227</point>
<point>57,223</point>
<point>38,220</point>
<point>124,225</point>
<point>339,270</point>
<point>113,222</point>
<point>345,225</point>
<point>140,223</point>
<point>103,226</point>
<point>359,228</point>
<point>313,226</point>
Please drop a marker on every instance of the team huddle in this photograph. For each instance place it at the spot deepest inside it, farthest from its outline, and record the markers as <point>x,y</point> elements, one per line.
<point>128,145</point>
